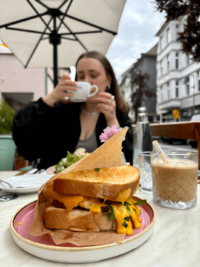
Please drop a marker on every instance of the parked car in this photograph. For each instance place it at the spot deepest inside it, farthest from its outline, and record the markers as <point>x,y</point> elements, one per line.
<point>194,143</point>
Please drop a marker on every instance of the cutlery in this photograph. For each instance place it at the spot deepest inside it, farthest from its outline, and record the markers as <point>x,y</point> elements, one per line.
<point>11,186</point>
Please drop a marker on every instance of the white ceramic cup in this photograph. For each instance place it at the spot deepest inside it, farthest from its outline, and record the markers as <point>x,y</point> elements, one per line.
<point>83,92</point>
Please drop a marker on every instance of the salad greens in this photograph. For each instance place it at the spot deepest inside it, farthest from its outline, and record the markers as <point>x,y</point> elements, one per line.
<point>66,162</point>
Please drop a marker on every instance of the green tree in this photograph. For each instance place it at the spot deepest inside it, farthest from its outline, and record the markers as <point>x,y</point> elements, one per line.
<point>190,37</point>
<point>6,117</point>
<point>139,88</point>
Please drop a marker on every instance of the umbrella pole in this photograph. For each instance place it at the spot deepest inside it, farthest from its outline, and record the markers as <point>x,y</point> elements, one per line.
<point>55,64</point>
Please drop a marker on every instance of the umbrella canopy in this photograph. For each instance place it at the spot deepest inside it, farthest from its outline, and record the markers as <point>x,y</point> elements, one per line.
<point>53,33</point>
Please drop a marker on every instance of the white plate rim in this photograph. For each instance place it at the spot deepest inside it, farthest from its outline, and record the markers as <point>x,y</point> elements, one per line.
<point>22,190</point>
<point>72,249</point>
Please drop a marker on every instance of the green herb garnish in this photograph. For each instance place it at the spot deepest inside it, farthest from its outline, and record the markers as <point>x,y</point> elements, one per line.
<point>127,218</point>
<point>125,224</point>
<point>101,208</point>
<point>97,169</point>
<point>140,202</point>
<point>126,204</point>
<point>129,210</point>
<point>133,209</point>
<point>111,213</point>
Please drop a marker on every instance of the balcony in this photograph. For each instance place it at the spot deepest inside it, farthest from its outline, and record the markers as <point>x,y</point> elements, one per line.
<point>169,104</point>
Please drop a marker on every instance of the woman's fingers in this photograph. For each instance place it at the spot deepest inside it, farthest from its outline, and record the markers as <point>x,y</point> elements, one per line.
<point>105,94</point>
<point>67,83</point>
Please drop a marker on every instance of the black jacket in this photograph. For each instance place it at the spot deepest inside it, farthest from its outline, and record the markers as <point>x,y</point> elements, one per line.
<point>45,132</point>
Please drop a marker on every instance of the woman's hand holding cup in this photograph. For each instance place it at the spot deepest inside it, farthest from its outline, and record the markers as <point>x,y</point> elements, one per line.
<point>61,90</point>
<point>107,106</point>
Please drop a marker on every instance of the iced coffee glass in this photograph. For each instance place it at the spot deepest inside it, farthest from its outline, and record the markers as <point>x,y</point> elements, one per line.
<point>175,183</point>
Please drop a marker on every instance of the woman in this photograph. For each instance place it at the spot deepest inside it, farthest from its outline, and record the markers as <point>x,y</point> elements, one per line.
<point>50,127</point>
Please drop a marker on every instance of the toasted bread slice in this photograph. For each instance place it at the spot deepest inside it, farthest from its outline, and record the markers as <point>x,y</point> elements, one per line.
<point>77,220</point>
<point>98,183</point>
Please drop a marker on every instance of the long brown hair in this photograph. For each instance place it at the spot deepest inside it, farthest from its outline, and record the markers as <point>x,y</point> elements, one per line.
<point>121,105</point>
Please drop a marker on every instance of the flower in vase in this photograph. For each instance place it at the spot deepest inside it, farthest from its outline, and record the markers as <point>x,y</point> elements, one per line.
<point>109,132</point>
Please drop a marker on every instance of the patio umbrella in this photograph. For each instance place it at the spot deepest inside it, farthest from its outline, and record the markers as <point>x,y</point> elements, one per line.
<point>31,28</point>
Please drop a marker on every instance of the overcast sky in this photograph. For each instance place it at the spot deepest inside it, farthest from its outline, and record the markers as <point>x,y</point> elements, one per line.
<point>139,23</point>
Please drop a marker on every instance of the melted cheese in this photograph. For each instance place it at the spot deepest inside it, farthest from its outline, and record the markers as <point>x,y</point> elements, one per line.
<point>96,205</point>
<point>70,201</point>
<point>123,196</point>
<point>120,211</point>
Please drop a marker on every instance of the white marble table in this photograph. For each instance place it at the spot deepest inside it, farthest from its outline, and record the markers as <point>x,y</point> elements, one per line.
<point>175,241</point>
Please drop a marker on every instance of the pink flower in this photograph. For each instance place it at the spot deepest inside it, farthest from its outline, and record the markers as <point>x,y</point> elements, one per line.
<point>109,132</point>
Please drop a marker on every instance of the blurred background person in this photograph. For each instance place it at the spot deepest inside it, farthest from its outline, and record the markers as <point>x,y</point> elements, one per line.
<point>51,126</point>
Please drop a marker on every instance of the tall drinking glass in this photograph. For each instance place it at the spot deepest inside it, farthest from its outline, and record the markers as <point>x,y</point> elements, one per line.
<point>144,163</point>
<point>175,184</point>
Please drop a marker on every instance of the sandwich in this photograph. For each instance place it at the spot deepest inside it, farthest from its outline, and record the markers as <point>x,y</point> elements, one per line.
<point>94,200</point>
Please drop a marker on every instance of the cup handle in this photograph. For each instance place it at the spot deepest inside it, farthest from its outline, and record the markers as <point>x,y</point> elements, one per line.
<point>94,91</point>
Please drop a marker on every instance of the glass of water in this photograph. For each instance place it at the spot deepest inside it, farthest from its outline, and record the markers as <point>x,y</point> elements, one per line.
<point>144,164</point>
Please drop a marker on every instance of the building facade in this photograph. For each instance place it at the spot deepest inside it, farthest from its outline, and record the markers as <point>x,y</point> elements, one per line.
<point>178,76</point>
<point>146,64</point>
<point>19,86</point>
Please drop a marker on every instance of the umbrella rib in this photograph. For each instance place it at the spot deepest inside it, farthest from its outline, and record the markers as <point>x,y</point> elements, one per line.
<point>21,20</point>
<point>23,30</point>
<point>90,24</point>
<point>38,14</point>
<point>61,22</point>
<point>42,4</point>
<point>81,32</point>
<point>37,43</point>
<point>63,4</point>
<point>69,39</point>
<point>74,36</point>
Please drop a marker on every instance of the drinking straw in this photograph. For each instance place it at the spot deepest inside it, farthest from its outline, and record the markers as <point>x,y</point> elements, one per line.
<point>160,151</point>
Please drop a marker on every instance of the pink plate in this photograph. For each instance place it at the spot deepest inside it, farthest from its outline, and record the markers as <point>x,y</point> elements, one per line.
<point>26,214</point>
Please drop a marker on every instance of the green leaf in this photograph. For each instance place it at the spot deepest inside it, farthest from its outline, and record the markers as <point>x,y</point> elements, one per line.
<point>134,209</point>
<point>125,224</point>
<point>97,169</point>
<point>126,204</point>
<point>101,208</point>
<point>70,159</point>
<point>6,117</point>
<point>140,202</point>
<point>111,213</point>
<point>129,210</point>
<point>127,218</point>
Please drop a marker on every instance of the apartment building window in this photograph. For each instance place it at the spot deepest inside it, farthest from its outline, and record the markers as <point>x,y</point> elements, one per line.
<point>190,58</point>
<point>198,80</point>
<point>187,60</point>
<point>168,36</point>
<point>161,42</point>
<point>187,85</point>
<point>177,61</point>
<point>168,62</point>
<point>161,94</point>
<point>161,68</point>
<point>177,32</point>
<point>177,89</point>
<point>168,90</point>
